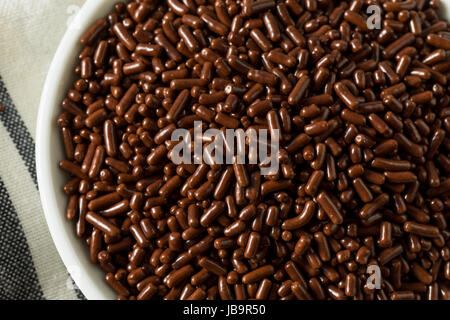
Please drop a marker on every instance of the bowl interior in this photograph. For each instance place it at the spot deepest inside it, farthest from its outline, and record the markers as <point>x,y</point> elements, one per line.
<point>49,151</point>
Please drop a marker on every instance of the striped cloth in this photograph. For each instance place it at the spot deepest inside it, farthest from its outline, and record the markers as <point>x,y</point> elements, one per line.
<point>30,267</point>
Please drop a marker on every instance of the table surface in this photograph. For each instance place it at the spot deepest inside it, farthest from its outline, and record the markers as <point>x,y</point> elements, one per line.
<point>30,267</point>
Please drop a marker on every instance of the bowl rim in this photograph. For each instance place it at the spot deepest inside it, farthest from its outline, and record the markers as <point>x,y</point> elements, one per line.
<point>75,261</point>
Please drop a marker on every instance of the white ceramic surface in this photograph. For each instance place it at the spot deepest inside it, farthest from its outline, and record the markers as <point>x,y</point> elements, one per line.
<point>49,152</point>
<point>444,10</point>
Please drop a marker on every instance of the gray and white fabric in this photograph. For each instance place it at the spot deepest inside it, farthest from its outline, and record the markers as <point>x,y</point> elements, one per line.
<point>30,267</point>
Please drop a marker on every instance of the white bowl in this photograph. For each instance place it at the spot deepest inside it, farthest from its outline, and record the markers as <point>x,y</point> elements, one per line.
<point>49,151</point>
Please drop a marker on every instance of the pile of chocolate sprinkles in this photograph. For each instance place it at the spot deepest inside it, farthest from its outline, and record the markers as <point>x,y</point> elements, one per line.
<point>363,183</point>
